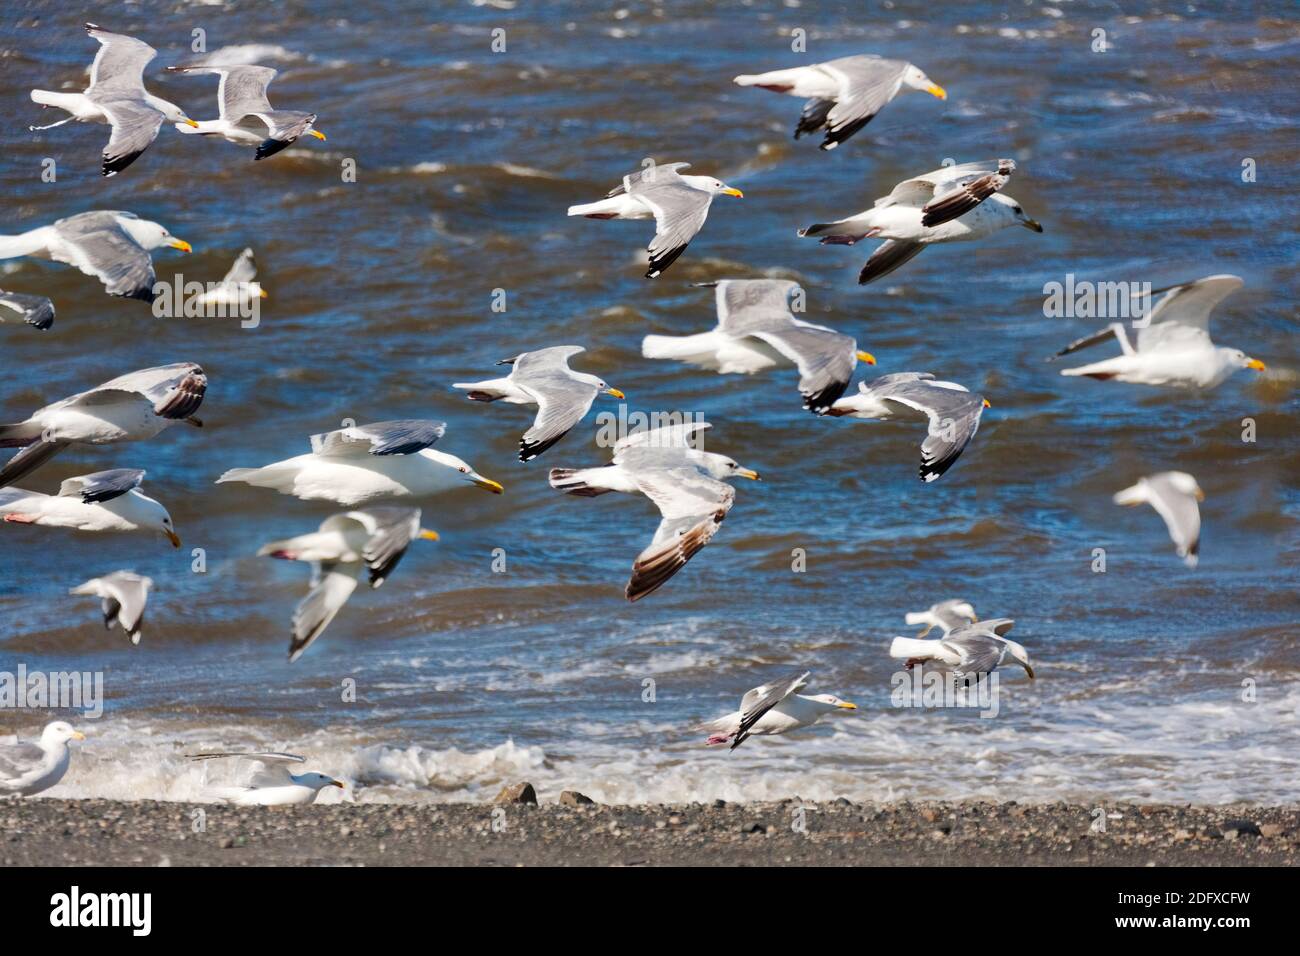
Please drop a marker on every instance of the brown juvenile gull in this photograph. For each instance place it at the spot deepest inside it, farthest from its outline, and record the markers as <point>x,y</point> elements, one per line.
<point>845,94</point>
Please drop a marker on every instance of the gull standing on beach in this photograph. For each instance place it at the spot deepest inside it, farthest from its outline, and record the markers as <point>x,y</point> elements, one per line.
<point>773,708</point>
<point>953,204</point>
<point>946,615</point>
<point>1173,347</point>
<point>685,484</point>
<point>244,114</point>
<point>844,94</point>
<point>968,651</point>
<point>123,595</point>
<point>372,539</point>
<point>272,785</point>
<point>131,407</point>
<point>363,463</point>
<point>953,412</point>
<point>117,96</point>
<point>679,205</point>
<point>109,245</point>
<point>102,501</point>
<point>1174,495</point>
<point>239,287</point>
<point>757,330</point>
<point>27,769</point>
<point>543,378</point>
<point>33,309</point>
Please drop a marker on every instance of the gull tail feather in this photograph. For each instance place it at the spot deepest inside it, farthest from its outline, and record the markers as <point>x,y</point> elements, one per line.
<point>908,647</point>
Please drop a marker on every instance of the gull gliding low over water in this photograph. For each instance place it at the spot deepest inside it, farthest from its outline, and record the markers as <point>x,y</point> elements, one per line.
<point>1174,495</point>
<point>105,501</point>
<point>244,114</point>
<point>968,650</point>
<point>123,596</point>
<point>773,708</point>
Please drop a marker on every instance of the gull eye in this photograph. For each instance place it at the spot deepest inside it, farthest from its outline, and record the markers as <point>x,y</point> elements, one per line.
<point>1019,210</point>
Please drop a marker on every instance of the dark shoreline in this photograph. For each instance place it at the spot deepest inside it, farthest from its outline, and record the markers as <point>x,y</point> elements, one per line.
<point>47,832</point>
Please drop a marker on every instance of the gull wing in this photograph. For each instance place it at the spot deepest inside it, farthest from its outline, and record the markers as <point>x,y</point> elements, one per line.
<point>326,598</point>
<point>760,700</point>
<point>953,413</point>
<point>399,437</point>
<point>391,531</point>
<point>1181,318</point>
<point>562,400</point>
<point>102,486</point>
<point>34,309</point>
<point>866,84</point>
<point>679,210</point>
<point>119,64</point>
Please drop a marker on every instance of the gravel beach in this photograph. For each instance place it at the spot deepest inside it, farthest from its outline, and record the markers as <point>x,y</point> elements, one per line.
<point>47,832</point>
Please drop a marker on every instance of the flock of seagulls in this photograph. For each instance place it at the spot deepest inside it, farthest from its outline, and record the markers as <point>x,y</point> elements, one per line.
<point>364,468</point>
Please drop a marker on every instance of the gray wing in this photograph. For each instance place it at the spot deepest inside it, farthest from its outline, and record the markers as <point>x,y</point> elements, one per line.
<point>327,596</point>
<point>35,309</point>
<point>752,305</point>
<point>954,415</point>
<point>135,126</point>
<point>399,437</point>
<point>176,391</point>
<point>243,270</point>
<point>692,506</point>
<point>946,612</point>
<point>19,759</point>
<point>102,485</point>
<point>760,700</point>
<point>1182,317</point>
<point>681,435</point>
<point>271,768</point>
<point>101,248</point>
<point>562,400</point>
<point>391,531</point>
<point>1082,343</point>
<point>119,65</point>
<point>124,596</point>
<point>866,84</point>
<point>954,197</point>
<point>242,90</point>
<point>633,178</point>
<point>264,757</point>
<point>979,652</point>
<point>1181,514</point>
<point>825,358</point>
<point>679,209</point>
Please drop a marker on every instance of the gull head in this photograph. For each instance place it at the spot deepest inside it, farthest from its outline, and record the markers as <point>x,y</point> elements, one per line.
<point>914,79</point>
<point>722,468</point>
<point>310,131</point>
<point>317,781</point>
<point>463,469</point>
<point>60,732</point>
<point>964,609</point>
<point>1240,359</point>
<point>1185,483</point>
<point>1018,654</point>
<point>1012,211</point>
<point>152,235</point>
<point>831,702</point>
<point>718,187</point>
<point>146,513</point>
<point>173,113</point>
<point>596,383</point>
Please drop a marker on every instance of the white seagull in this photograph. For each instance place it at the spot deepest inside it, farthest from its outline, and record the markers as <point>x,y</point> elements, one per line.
<point>372,539</point>
<point>33,309</point>
<point>271,784</point>
<point>757,330</point>
<point>844,94</point>
<point>123,595</point>
<point>103,501</point>
<point>239,286</point>
<point>543,378</point>
<point>27,769</point>
<point>1173,347</point>
<point>968,651</point>
<point>686,484</point>
<point>244,114</point>
<point>131,407</point>
<point>1174,495</point>
<point>953,204</point>
<point>117,96</point>
<point>109,245</point>
<point>773,708</point>
<point>946,615</point>
<point>679,205</point>
<point>953,413</point>
<point>363,463</point>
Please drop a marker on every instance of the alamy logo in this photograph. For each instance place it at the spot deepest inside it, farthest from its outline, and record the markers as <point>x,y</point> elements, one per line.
<point>56,690</point>
<point>134,910</point>
<point>1074,299</point>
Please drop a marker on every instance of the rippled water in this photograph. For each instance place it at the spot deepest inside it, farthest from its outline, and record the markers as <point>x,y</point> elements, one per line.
<point>381,294</point>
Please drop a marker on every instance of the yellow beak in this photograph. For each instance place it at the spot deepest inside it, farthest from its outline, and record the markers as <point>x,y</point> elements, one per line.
<point>339,785</point>
<point>190,122</point>
<point>1200,495</point>
<point>171,536</point>
<point>866,357</point>
<point>318,134</point>
<point>488,483</point>
<point>1256,364</point>
<point>428,535</point>
<point>749,473</point>
<point>987,403</point>
<point>728,191</point>
<point>934,89</point>
<point>78,735</point>
<point>615,392</point>
<point>181,244</point>
<point>262,293</point>
<point>845,705</point>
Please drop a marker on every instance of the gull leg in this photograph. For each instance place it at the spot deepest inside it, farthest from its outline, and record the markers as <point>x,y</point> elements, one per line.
<point>17,518</point>
<point>718,739</point>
